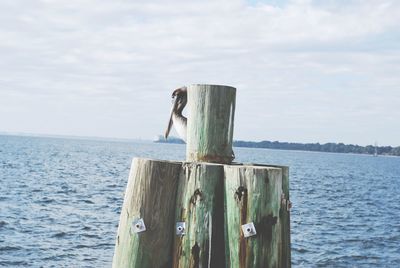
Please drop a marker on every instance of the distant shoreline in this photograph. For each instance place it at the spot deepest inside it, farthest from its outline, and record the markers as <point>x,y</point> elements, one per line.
<point>310,147</point>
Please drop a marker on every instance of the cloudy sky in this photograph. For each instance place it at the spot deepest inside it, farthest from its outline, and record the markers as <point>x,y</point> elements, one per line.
<point>305,71</point>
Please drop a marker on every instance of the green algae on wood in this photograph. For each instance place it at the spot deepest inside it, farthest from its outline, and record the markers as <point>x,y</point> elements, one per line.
<point>211,110</point>
<point>150,195</point>
<point>253,194</point>
<point>213,200</point>
<point>200,205</point>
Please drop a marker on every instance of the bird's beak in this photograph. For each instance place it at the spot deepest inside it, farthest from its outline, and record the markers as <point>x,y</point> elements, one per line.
<point>174,106</point>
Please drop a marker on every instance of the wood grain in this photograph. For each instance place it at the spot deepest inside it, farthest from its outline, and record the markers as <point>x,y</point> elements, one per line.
<point>200,205</point>
<point>151,195</point>
<point>211,111</point>
<point>253,194</point>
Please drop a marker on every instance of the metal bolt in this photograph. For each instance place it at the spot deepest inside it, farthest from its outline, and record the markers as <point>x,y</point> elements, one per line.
<point>249,229</point>
<point>180,228</point>
<point>138,225</point>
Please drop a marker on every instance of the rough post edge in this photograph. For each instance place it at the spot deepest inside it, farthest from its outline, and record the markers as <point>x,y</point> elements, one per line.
<point>150,194</point>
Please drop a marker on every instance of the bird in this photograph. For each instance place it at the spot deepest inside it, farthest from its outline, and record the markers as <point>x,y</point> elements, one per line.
<point>179,101</point>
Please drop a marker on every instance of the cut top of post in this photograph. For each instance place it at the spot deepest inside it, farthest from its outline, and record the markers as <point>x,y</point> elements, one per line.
<point>211,110</point>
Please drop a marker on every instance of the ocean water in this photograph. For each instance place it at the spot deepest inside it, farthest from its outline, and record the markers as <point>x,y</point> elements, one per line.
<point>60,201</point>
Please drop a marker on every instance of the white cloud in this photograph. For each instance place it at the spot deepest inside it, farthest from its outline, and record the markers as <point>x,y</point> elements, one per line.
<point>302,64</point>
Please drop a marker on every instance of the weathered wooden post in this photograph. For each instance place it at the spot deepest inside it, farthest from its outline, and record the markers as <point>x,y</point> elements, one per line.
<point>205,212</point>
<point>200,193</point>
<point>256,221</point>
<point>146,226</point>
<point>195,187</point>
<point>210,123</point>
<point>200,207</point>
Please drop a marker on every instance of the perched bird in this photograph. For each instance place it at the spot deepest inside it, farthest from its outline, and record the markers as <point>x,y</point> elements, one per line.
<point>179,100</point>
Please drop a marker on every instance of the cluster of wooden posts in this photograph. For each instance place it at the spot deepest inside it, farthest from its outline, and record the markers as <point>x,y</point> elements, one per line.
<point>207,211</point>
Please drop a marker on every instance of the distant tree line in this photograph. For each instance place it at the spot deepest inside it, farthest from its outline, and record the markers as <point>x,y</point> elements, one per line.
<point>315,147</point>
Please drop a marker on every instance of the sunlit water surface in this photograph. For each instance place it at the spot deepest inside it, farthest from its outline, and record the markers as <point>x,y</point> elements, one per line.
<point>60,201</point>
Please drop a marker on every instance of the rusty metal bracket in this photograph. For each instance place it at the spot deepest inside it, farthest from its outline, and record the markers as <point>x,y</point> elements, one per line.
<point>286,203</point>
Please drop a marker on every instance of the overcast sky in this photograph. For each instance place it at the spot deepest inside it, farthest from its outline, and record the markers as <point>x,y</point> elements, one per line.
<point>305,71</point>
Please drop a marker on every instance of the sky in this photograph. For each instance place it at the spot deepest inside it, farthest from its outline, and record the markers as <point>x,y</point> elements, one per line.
<point>305,71</point>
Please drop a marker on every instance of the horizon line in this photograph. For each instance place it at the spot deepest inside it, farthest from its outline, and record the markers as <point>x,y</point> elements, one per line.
<point>67,136</point>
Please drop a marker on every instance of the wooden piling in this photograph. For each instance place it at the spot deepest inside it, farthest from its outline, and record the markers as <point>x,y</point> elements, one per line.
<point>150,195</point>
<point>253,194</point>
<point>208,202</point>
<point>200,207</point>
<point>211,110</point>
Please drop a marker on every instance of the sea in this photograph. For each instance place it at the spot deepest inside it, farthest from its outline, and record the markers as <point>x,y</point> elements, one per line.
<point>60,200</point>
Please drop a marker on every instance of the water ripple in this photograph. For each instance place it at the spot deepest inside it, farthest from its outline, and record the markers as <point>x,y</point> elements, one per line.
<point>60,201</point>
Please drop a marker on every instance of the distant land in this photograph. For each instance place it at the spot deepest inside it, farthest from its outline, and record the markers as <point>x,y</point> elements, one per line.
<point>74,137</point>
<point>313,147</point>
